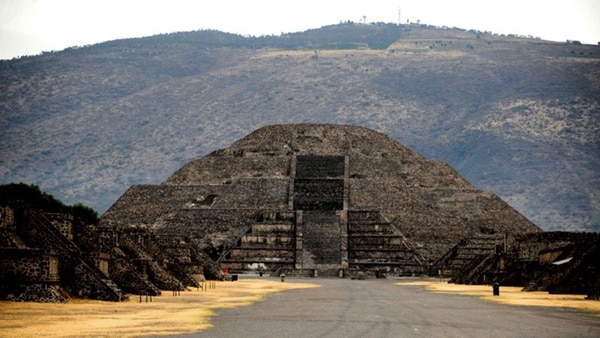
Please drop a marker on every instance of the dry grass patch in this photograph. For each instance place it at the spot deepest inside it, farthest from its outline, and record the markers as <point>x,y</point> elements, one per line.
<point>511,295</point>
<point>187,313</point>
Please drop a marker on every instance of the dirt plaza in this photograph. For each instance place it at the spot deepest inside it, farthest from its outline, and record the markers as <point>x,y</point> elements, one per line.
<point>199,311</point>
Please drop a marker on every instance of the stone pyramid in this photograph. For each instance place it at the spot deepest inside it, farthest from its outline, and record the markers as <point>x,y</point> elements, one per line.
<point>318,199</point>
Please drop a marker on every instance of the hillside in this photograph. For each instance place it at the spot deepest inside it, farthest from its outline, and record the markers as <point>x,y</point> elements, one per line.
<point>516,116</point>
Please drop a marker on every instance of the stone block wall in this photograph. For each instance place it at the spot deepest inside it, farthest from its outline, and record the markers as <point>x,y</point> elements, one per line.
<point>101,261</point>
<point>7,217</point>
<point>62,222</point>
<point>28,265</point>
<point>39,232</point>
<point>37,292</point>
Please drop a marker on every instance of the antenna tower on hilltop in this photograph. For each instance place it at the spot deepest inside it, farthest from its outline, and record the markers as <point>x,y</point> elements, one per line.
<point>399,16</point>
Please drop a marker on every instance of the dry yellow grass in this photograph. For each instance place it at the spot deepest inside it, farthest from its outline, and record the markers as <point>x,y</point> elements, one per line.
<point>189,312</point>
<point>511,295</point>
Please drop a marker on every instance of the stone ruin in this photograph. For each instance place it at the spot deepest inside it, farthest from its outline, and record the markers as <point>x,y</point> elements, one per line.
<point>318,200</point>
<point>557,262</point>
<point>305,200</point>
<point>51,257</point>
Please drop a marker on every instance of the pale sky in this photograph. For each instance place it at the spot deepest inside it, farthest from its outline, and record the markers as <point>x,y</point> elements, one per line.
<point>28,27</point>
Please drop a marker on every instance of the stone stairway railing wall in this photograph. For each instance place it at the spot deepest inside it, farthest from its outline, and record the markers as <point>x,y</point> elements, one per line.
<point>60,266</point>
<point>464,253</point>
<point>153,269</point>
<point>88,281</point>
<point>126,275</point>
<point>583,276</point>
<point>47,257</point>
<point>132,267</point>
<point>193,261</point>
<point>92,247</point>
<point>476,271</point>
<point>122,270</point>
<point>9,239</point>
<point>62,222</point>
<point>183,275</point>
<point>39,232</point>
<point>530,246</point>
<point>149,243</point>
<point>163,278</point>
<point>374,242</point>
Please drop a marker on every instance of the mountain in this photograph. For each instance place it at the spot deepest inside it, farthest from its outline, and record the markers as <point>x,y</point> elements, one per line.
<point>517,116</point>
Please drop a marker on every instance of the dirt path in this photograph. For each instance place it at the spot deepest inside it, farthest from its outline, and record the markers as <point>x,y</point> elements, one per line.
<point>313,307</point>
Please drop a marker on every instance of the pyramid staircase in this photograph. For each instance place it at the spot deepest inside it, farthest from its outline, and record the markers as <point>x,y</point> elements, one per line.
<point>268,244</point>
<point>468,252</point>
<point>318,235</point>
<point>373,242</point>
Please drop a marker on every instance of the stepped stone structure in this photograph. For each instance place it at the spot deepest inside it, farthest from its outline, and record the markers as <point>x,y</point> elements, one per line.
<point>306,199</point>
<point>313,199</point>
<point>52,257</point>
<point>557,262</point>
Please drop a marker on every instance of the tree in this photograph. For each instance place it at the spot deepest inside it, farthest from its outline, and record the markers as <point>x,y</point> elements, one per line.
<point>31,196</point>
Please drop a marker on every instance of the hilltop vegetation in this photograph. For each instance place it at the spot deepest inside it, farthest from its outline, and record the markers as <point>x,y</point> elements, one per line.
<point>30,196</point>
<point>517,116</point>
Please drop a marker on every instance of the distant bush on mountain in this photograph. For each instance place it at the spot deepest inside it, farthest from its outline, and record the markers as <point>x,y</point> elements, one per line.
<point>347,35</point>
